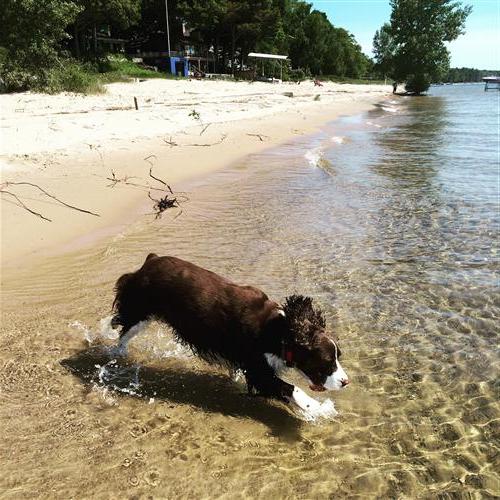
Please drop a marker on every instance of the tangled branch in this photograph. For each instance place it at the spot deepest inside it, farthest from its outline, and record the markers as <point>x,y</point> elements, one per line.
<point>72,207</point>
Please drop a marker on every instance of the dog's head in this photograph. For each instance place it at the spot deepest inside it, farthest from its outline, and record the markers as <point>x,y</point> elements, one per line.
<point>309,348</point>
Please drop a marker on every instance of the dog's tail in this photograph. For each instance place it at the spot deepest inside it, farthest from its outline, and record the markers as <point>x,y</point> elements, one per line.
<point>121,291</point>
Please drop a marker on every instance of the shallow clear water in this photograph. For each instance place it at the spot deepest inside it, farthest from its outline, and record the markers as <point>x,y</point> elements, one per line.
<point>390,221</point>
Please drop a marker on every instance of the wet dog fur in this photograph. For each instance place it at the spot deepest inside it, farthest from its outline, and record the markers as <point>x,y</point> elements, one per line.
<point>235,325</point>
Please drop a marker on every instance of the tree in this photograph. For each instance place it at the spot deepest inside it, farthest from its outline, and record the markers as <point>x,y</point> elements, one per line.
<point>32,32</point>
<point>413,46</point>
<point>95,14</point>
<point>384,49</point>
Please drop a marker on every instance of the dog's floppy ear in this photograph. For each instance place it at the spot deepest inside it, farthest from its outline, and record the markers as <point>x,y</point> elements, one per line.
<point>276,321</point>
<point>303,319</point>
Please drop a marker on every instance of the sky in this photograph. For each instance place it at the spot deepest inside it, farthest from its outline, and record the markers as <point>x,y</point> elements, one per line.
<point>478,48</point>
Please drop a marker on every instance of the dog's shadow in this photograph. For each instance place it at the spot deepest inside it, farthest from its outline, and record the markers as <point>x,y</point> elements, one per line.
<point>210,392</point>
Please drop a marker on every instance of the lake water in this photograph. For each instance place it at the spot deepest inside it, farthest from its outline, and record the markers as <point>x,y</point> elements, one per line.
<point>390,221</point>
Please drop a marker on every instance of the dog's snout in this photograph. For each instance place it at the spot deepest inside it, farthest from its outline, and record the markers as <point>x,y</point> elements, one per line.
<point>344,382</point>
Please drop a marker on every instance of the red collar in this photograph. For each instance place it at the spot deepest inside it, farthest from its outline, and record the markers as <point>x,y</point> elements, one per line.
<point>287,355</point>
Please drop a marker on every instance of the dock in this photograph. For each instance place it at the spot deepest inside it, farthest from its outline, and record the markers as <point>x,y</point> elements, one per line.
<point>491,82</point>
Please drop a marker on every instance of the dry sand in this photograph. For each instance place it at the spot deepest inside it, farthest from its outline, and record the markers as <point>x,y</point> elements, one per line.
<point>70,144</point>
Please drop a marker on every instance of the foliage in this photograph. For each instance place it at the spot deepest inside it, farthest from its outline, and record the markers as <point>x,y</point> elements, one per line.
<point>384,49</point>
<point>119,68</point>
<point>97,15</point>
<point>456,75</point>
<point>31,32</point>
<point>412,48</point>
<point>72,76</point>
<point>40,36</point>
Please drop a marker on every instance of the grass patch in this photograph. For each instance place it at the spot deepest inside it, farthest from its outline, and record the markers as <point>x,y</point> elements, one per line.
<point>71,75</point>
<point>118,69</point>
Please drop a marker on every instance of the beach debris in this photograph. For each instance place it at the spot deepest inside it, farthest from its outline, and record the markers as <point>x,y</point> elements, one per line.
<point>169,200</point>
<point>205,128</point>
<point>260,136</point>
<point>195,115</point>
<point>46,193</point>
<point>317,97</point>
<point>149,158</point>
<point>221,140</point>
<point>135,104</point>
<point>170,142</point>
<point>288,94</point>
<point>115,180</point>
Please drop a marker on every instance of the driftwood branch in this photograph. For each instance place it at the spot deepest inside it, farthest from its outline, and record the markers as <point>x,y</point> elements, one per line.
<point>6,184</point>
<point>205,128</point>
<point>159,180</point>
<point>167,201</point>
<point>260,136</point>
<point>170,142</point>
<point>148,159</point>
<point>222,139</point>
<point>21,204</point>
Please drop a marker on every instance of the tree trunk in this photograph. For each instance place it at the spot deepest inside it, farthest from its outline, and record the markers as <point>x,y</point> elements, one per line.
<point>76,41</point>
<point>94,41</point>
<point>233,47</point>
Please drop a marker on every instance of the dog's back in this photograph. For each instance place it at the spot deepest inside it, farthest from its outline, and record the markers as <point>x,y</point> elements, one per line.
<point>203,308</point>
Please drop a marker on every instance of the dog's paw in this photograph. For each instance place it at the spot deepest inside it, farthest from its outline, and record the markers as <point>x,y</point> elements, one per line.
<point>327,409</point>
<point>310,408</point>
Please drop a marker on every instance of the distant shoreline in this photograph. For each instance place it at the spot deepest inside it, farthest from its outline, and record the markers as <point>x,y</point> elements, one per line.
<point>71,145</point>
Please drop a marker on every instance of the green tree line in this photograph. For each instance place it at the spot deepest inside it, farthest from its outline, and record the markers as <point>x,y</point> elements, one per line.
<point>458,75</point>
<point>38,37</point>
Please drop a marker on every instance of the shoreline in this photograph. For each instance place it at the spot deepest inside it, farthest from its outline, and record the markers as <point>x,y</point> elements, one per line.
<point>220,137</point>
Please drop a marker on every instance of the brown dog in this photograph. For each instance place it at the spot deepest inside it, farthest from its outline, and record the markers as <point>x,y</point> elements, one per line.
<point>235,325</point>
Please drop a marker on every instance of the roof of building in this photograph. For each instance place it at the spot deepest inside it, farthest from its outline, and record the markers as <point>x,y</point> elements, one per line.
<point>266,56</point>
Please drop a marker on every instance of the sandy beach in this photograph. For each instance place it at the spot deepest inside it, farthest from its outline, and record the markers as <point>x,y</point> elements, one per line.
<point>71,145</point>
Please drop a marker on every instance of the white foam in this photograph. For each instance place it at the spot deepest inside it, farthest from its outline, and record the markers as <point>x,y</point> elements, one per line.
<point>313,156</point>
<point>337,139</point>
<point>376,125</point>
<point>163,346</point>
<point>105,330</point>
<point>389,109</point>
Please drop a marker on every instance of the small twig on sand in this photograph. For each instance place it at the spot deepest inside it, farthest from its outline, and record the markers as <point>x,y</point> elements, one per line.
<point>170,142</point>
<point>205,128</point>
<point>6,184</point>
<point>222,139</point>
<point>159,180</point>
<point>115,180</point>
<point>148,158</point>
<point>21,204</point>
<point>260,136</point>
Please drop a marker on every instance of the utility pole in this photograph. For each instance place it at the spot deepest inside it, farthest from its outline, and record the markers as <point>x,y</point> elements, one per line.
<point>168,28</point>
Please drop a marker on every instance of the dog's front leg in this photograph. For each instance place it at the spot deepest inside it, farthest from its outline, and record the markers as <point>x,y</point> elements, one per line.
<point>305,402</point>
<point>262,380</point>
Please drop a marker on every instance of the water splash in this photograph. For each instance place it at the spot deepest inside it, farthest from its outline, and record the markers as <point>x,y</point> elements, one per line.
<point>104,331</point>
<point>338,139</point>
<point>313,156</point>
